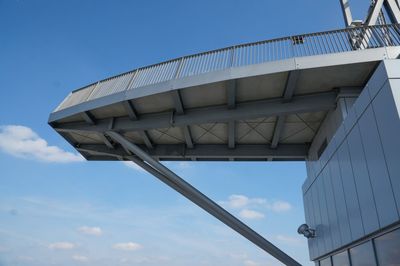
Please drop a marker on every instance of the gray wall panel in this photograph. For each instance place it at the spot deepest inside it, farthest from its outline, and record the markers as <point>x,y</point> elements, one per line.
<point>331,206</point>
<point>324,212</point>
<point>350,192</point>
<point>308,212</point>
<point>387,117</point>
<point>381,185</point>
<point>318,221</point>
<point>377,80</point>
<point>361,177</point>
<point>341,207</point>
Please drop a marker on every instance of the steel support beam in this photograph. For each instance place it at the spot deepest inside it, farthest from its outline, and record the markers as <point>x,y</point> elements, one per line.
<point>291,84</point>
<point>373,16</point>
<point>231,93</point>
<point>231,100</point>
<point>181,110</point>
<point>130,110</point>
<point>89,118</point>
<point>106,141</point>
<point>231,134</point>
<point>249,110</point>
<point>280,122</point>
<point>393,11</point>
<point>373,12</point>
<point>146,139</point>
<point>191,193</point>
<point>348,19</point>
<point>134,117</point>
<point>215,151</point>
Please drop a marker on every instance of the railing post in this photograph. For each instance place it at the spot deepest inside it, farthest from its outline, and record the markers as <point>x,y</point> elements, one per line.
<point>292,46</point>
<point>131,80</point>
<point>178,69</point>
<point>232,50</point>
<point>90,94</point>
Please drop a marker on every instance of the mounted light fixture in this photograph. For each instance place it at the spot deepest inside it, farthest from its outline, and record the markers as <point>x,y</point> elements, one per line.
<point>306,231</point>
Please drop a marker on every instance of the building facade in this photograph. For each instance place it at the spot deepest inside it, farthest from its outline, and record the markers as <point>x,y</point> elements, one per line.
<point>352,192</point>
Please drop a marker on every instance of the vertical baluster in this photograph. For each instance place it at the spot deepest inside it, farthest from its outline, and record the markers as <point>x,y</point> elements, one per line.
<point>262,52</point>
<point>329,38</point>
<point>191,65</point>
<point>166,74</point>
<point>157,72</point>
<point>178,68</point>
<point>313,45</point>
<point>147,76</point>
<point>196,64</point>
<point>241,56</point>
<point>215,61</point>
<point>231,61</point>
<point>206,64</point>
<point>144,75</point>
<point>395,33</point>
<point>321,43</point>
<point>201,62</point>
<point>247,55</point>
<point>293,47</point>
<point>253,54</point>
<point>347,41</point>
<point>338,41</point>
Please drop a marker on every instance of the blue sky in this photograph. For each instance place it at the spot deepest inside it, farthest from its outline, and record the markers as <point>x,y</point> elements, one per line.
<point>56,209</point>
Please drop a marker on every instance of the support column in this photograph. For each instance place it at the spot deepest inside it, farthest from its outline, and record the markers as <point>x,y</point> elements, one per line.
<point>181,186</point>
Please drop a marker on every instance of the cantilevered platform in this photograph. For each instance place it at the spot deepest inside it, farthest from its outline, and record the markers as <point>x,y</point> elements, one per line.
<point>257,101</point>
<point>270,100</point>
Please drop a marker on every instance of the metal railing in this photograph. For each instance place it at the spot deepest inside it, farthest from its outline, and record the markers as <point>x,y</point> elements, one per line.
<point>329,42</point>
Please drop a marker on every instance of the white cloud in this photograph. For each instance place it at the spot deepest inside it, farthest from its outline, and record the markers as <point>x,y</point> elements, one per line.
<point>80,258</point>
<point>133,166</point>
<point>96,231</point>
<point>62,245</point>
<point>242,201</point>
<point>238,256</point>
<point>290,240</point>
<point>250,214</point>
<point>23,142</point>
<point>183,165</point>
<point>129,246</point>
<point>250,263</point>
<point>238,201</point>
<point>279,206</point>
<point>24,258</point>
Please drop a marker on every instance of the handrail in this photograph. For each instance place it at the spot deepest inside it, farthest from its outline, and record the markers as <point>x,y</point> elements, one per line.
<point>319,43</point>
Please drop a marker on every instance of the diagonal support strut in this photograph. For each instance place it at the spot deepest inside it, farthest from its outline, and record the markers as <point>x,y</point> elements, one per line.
<point>177,183</point>
<point>291,84</point>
